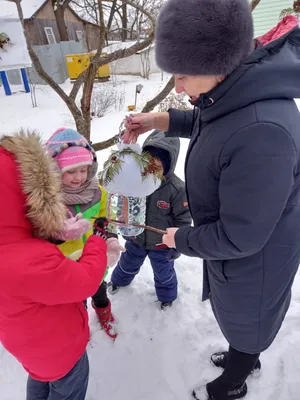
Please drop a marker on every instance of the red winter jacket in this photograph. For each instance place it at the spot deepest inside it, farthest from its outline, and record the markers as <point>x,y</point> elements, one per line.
<point>43,321</point>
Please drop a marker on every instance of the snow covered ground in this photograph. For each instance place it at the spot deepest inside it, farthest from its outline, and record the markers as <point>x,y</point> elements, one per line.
<point>158,355</point>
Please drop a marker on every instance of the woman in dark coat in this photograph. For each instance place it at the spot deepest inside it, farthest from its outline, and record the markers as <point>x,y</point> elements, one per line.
<point>242,171</point>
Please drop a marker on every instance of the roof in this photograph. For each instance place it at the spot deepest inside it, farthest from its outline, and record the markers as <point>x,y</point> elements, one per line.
<point>29,7</point>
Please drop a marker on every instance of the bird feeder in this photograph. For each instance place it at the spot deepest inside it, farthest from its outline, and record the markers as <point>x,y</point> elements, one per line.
<point>129,176</point>
<point>138,90</point>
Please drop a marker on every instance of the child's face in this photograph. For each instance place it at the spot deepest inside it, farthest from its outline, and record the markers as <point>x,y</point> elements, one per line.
<point>75,177</point>
<point>159,165</point>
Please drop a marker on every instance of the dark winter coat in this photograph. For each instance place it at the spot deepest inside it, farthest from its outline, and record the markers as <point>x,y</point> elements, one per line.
<point>243,186</point>
<point>167,206</point>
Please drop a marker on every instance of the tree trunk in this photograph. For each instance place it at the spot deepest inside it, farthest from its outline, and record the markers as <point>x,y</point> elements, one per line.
<point>124,21</point>
<point>83,127</point>
<point>59,12</point>
<point>111,16</point>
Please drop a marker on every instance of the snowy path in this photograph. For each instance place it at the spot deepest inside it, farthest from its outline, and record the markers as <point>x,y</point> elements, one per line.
<point>162,355</point>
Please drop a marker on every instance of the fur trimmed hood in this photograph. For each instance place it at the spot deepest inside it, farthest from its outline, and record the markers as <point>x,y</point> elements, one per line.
<point>40,183</point>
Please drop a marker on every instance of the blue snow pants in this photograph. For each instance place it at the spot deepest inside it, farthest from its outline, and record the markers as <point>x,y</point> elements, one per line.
<point>73,386</point>
<point>162,262</point>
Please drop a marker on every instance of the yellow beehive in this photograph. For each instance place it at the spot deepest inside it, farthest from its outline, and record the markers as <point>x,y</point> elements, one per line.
<point>77,63</point>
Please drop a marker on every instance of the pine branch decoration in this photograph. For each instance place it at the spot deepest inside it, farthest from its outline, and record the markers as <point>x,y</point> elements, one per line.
<point>113,166</point>
<point>286,11</point>
<point>4,41</point>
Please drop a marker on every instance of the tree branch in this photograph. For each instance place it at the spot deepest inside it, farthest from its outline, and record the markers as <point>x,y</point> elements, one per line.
<point>106,143</point>
<point>151,104</point>
<point>254,4</point>
<point>90,76</point>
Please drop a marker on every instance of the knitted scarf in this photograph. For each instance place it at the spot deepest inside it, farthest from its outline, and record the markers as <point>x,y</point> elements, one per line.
<point>82,195</point>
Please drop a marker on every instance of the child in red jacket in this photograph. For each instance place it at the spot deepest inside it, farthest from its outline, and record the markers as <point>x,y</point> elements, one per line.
<point>43,321</point>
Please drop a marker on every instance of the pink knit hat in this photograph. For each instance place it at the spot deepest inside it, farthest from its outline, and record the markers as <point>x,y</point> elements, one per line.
<point>71,150</point>
<point>74,157</point>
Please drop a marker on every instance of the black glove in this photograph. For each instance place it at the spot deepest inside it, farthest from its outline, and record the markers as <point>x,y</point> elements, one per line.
<point>100,228</point>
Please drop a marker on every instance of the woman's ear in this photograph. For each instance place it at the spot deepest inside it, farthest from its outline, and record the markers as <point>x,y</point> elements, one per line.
<point>220,78</point>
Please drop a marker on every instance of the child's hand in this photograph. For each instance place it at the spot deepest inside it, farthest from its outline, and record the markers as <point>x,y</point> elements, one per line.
<point>114,250</point>
<point>74,228</point>
<point>100,228</point>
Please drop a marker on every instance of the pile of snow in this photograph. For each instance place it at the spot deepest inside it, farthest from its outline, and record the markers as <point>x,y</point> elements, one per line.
<point>8,10</point>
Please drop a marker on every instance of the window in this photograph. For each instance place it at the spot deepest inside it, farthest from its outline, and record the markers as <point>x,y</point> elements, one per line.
<point>79,35</point>
<point>50,35</point>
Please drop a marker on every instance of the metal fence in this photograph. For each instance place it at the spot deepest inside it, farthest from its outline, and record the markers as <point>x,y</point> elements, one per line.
<point>53,60</point>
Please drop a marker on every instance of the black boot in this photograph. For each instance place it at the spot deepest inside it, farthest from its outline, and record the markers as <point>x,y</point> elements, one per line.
<point>166,304</point>
<point>112,288</point>
<point>219,360</point>
<point>214,391</point>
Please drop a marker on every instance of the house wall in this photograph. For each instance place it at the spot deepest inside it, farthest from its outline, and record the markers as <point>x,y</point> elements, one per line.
<point>133,65</point>
<point>266,14</point>
<point>46,18</point>
<point>91,36</point>
<point>53,60</point>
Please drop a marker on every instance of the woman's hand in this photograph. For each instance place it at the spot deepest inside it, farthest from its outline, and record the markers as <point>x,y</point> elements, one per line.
<point>169,238</point>
<point>137,124</point>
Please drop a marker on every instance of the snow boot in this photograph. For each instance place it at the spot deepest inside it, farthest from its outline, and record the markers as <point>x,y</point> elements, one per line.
<point>208,392</point>
<point>166,304</point>
<point>106,320</point>
<point>112,288</point>
<point>219,360</point>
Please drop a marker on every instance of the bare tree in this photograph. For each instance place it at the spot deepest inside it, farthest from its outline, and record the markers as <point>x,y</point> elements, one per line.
<point>122,22</point>
<point>88,9</point>
<point>82,114</point>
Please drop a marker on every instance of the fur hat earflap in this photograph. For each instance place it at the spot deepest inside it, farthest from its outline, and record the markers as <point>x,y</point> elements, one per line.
<point>203,37</point>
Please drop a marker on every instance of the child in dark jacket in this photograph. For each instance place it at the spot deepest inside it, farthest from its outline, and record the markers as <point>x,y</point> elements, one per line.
<point>166,207</point>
